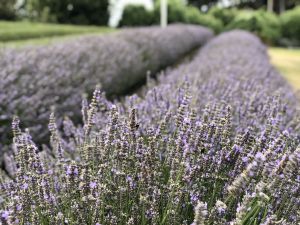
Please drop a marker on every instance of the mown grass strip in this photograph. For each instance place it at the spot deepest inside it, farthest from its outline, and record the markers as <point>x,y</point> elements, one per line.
<point>16,31</point>
<point>287,61</point>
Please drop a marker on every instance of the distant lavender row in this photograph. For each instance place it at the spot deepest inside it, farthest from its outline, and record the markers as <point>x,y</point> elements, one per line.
<point>213,143</point>
<point>232,69</point>
<point>33,80</point>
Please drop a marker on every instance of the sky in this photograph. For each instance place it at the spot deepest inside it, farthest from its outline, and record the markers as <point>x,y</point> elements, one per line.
<point>117,7</point>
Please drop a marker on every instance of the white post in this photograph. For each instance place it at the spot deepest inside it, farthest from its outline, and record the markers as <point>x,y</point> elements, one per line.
<point>163,13</point>
<point>270,5</point>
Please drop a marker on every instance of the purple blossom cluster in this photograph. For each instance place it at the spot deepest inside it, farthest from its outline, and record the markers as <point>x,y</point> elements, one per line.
<point>214,141</point>
<point>35,79</point>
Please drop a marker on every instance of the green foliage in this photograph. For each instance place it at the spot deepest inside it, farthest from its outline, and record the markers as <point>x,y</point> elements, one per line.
<point>194,16</point>
<point>7,11</point>
<point>290,21</point>
<point>137,15</point>
<point>264,24</point>
<point>226,15</point>
<point>176,11</point>
<point>199,3</point>
<point>38,12</point>
<point>69,11</point>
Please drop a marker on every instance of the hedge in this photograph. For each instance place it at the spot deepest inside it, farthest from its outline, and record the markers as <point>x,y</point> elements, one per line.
<point>265,24</point>
<point>226,15</point>
<point>290,21</point>
<point>194,16</point>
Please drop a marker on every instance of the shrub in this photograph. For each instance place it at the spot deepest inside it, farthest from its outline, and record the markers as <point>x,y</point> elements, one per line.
<point>290,21</point>
<point>136,15</point>
<point>226,15</point>
<point>33,80</point>
<point>176,11</point>
<point>265,24</point>
<point>207,145</point>
<point>194,16</point>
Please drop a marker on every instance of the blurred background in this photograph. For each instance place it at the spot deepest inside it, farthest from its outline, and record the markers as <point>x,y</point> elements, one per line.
<point>276,22</point>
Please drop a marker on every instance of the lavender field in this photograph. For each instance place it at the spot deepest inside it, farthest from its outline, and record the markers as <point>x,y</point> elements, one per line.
<point>35,79</point>
<point>148,126</point>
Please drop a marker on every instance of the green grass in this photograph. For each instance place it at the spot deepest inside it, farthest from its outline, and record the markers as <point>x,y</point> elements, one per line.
<point>287,61</point>
<point>42,41</point>
<point>14,32</point>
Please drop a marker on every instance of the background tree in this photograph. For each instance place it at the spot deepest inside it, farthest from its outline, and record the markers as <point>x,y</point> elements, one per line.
<point>200,3</point>
<point>278,6</point>
<point>94,12</point>
<point>137,15</point>
<point>7,10</point>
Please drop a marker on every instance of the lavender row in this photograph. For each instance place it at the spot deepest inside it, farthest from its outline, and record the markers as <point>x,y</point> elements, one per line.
<point>233,69</point>
<point>213,143</point>
<point>35,79</point>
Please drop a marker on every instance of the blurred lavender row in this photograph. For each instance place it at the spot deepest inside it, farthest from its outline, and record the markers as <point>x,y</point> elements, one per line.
<point>35,79</point>
<point>215,142</point>
<point>232,69</point>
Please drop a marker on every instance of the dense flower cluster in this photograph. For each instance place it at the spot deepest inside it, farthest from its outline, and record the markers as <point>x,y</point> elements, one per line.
<point>215,142</point>
<point>34,79</point>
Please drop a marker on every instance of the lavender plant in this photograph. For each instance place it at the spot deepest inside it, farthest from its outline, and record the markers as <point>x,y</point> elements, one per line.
<point>213,144</point>
<point>35,79</point>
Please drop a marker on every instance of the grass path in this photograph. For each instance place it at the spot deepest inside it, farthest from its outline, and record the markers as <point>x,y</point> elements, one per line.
<point>16,34</point>
<point>287,61</point>
<point>44,40</point>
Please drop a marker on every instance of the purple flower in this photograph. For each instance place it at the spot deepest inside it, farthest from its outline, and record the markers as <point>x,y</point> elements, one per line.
<point>69,171</point>
<point>51,75</point>
<point>5,215</point>
<point>260,156</point>
<point>75,171</point>
<point>245,159</point>
<point>24,186</point>
<point>93,184</point>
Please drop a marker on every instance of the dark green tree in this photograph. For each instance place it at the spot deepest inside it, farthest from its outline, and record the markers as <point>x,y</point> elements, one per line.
<point>200,3</point>
<point>93,12</point>
<point>137,15</point>
<point>7,10</point>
